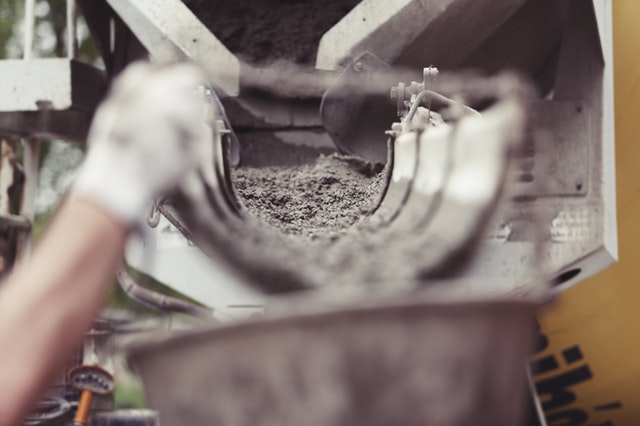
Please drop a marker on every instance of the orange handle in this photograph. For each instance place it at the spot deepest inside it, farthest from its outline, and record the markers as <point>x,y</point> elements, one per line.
<point>84,404</point>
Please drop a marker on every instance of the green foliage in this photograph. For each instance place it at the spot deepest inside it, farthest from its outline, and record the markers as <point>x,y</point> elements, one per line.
<point>128,394</point>
<point>10,13</point>
<point>39,223</point>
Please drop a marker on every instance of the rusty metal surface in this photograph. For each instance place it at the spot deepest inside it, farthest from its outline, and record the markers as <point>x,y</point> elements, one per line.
<point>70,125</point>
<point>405,363</point>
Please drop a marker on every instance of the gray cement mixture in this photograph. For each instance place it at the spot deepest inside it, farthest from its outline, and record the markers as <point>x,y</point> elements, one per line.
<point>311,226</point>
<point>317,200</point>
<point>262,31</point>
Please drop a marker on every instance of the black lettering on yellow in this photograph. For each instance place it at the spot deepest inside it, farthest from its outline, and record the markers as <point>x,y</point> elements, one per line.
<point>610,406</point>
<point>544,365</point>
<point>573,354</point>
<point>556,388</point>
<point>573,417</point>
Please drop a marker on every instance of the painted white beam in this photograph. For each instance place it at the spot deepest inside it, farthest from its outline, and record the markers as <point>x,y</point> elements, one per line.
<point>387,27</point>
<point>169,30</point>
<point>49,84</point>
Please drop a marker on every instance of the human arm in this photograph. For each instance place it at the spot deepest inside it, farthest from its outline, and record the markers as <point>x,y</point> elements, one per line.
<point>50,301</point>
<point>147,135</point>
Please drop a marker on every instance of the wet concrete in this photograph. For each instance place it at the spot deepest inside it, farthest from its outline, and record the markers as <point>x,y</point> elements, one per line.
<point>324,197</point>
<point>263,31</point>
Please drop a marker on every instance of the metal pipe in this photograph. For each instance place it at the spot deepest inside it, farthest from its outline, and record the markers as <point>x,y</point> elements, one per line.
<point>157,300</point>
<point>430,96</point>
<point>29,27</point>
<point>72,40</point>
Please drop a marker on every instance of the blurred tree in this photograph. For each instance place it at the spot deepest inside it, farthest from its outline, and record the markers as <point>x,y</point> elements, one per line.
<point>49,32</point>
<point>10,11</point>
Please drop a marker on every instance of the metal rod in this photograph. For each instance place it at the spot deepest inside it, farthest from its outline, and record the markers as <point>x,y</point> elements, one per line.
<point>29,26</point>
<point>72,39</point>
<point>31,163</point>
<point>534,394</point>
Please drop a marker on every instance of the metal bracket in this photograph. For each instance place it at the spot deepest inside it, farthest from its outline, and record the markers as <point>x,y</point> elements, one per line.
<point>558,162</point>
<point>357,120</point>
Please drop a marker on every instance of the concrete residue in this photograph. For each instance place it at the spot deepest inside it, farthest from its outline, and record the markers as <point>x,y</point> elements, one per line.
<point>260,32</point>
<point>309,226</point>
<point>324,197</point>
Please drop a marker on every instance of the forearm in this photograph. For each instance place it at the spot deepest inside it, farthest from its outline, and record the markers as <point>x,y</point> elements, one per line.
<point>149,133</point>
<point>50,301</point>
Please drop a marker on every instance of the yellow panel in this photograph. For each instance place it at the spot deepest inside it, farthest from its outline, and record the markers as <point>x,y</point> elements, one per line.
<point>593,329</point>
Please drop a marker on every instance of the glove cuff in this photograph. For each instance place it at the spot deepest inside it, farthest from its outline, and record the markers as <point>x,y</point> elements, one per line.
<point>126,199</point>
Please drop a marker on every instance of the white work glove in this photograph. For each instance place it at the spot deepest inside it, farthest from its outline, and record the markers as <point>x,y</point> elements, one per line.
<point>147,135</point>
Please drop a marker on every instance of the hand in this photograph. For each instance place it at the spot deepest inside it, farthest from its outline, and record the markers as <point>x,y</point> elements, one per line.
<point>148,133</point>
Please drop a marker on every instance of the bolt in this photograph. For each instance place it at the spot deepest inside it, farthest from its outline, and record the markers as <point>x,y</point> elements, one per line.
<point>579,185</point>
<point>430,73</point>
<point>358,66</point>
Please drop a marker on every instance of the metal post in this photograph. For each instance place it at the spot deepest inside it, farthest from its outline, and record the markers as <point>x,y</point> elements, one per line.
<point>31,163</point>
<point>72,40</point>
<point>29,25</point>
